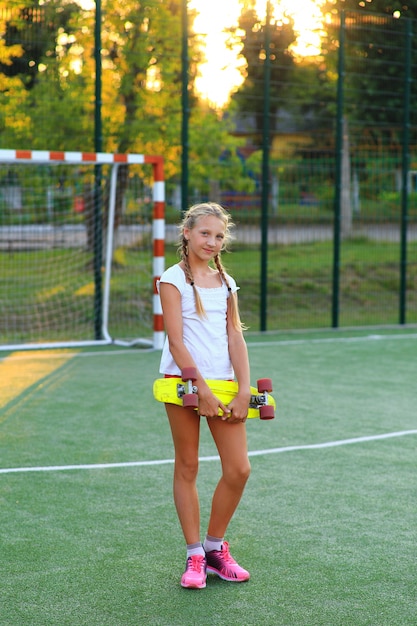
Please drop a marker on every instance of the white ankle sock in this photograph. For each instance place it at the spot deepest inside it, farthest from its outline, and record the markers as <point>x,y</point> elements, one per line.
<point>212,543</point>
<point>195,548</point>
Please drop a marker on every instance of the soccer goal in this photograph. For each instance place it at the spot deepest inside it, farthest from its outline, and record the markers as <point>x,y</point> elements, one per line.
<point>81,248</point>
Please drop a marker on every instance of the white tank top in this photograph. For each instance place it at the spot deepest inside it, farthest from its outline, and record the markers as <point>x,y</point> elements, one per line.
<point>205,338</point>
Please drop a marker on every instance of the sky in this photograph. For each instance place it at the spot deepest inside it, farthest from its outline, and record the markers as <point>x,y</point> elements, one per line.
<point>220,73</point>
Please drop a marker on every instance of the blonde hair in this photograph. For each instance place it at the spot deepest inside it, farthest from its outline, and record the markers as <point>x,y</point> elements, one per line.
<point>189,221</point>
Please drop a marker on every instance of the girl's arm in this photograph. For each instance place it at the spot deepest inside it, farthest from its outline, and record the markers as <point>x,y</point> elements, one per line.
<point>208,404</point>
<point>240,361</point>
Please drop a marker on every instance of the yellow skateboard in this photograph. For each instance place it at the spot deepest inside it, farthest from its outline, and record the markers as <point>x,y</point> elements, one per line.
<point>183,392</point>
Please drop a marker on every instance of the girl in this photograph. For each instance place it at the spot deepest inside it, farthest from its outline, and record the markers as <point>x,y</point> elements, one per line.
<point>203,328</point>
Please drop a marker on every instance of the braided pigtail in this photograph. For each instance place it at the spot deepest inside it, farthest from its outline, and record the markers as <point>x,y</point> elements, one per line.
<point>184,256</point>
<point>236,321</point>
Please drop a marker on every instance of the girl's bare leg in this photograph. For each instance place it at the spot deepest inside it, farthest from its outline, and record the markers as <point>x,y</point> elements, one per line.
<point>231,443</point>
<point>185,428</point>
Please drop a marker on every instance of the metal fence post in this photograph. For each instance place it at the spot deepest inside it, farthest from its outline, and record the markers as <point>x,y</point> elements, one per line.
<point>405,171</point>
<point>98,147</point>
<point>338,175</point>
<point>185,106</point>
<point>265,171</point>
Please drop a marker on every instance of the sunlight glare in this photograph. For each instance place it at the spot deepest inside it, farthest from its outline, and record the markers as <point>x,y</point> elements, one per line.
<point>219,74</point>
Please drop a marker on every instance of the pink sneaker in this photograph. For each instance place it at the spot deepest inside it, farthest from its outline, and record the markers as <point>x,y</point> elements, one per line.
<point>222,563</point>
<point>195,575</point>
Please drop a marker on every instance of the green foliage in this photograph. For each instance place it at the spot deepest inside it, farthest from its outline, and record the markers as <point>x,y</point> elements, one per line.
<point>47,94</point>
<point>374,57</point>
<point>36,28</point>
<point>373,7</point>
<point>211,135</point>
<point>145,66</point>
<point>45,78</point>
<point>252,43</point>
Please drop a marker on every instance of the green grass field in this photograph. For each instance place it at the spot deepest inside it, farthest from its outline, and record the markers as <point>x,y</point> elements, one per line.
<point>89,534</point>
<point>40,304</point>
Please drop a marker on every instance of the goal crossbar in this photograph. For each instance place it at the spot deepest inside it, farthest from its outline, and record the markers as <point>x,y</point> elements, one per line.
<point>56,157</point>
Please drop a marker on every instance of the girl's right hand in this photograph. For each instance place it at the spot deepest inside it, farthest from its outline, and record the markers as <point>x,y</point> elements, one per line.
<point>209,405</point>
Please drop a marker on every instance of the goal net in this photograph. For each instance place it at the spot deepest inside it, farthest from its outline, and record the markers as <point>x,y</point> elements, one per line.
<point>81,249</point>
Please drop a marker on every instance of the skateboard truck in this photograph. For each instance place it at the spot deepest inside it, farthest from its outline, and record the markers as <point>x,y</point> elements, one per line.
<point>261,401</point>
<point>189,393</point>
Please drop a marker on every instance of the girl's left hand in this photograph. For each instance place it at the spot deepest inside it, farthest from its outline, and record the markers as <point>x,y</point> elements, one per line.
<point>238,408</point>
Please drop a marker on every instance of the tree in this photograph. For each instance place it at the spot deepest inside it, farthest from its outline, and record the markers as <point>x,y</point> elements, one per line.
<point>210,135</point>
<point>250,33</point>
<point>39,74</point>
<point>52,107</point>
<point>374,56</point>
<point>142,74</point>
<point>391,7</point>
<point>34,28</point>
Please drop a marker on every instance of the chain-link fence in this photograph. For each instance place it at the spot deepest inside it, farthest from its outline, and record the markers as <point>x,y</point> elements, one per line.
<point>315,157</point>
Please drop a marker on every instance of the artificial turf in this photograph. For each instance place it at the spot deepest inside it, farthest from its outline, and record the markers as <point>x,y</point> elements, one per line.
<point>89,535</point>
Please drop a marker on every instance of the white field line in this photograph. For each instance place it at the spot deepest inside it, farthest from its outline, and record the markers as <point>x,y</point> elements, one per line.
<point>372,337</point>
<point>251,344</point>
<point>314,446</point>
<point>288,342</point>
<point>254,344</point>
